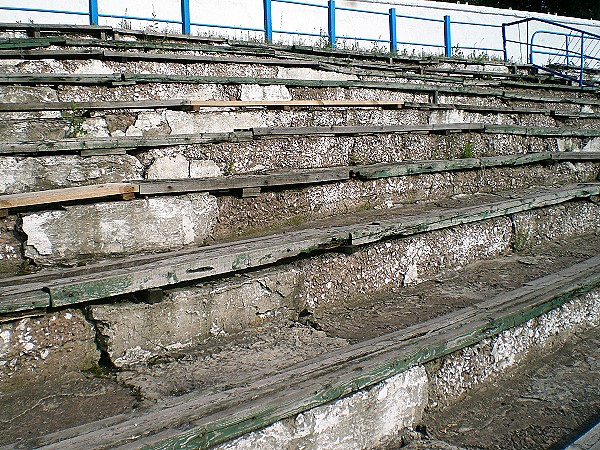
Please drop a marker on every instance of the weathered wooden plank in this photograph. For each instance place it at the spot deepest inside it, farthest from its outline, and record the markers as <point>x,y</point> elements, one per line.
<point>200,265</point>
<point>576,156</point>
<point>55,27</point>
<point>121,142</point>
<point>187,58</point>
<point>527,294</point>
<point>386,170</point>
<point>145,34</point>
<point>347,130</point>
<point>541,131</point>
<point>184,104</point>
<point>66,194</point>
<point>28,301</point>
<point>199,421</point>
<point>24,283</point>
<point>95,106</point>
<point>478,108</point>
<point>363,234</point>
<point>298,103</point>
<point>49,78</point>
<point>245,181</point>
<point>10,44</point>
<point>50,54</point>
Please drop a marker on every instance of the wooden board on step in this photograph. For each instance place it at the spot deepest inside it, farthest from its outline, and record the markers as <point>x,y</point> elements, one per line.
<point>126,191</point>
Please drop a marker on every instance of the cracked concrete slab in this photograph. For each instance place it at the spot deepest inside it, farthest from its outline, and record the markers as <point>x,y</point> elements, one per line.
<point>86,232</point>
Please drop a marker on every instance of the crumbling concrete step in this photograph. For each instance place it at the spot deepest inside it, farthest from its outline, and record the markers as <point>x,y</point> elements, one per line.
<point>184,58</point>
<point>166,58</point>
<point>251,185</point>
<point>129,275</point>
<point>193,105</point>
<point>123,79</point>
<point>547,401</point>
<point>198,421</point>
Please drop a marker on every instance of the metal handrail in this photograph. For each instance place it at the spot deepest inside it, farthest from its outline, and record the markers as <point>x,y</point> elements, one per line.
<point>444,38</point>
<point>559,47</point>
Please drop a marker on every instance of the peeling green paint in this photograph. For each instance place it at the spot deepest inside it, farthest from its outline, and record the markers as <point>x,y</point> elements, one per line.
<point>90,290</point>
<point>242,261</point>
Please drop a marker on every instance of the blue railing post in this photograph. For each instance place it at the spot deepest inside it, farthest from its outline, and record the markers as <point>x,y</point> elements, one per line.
<point>93,12</point>
<point>504,42</point>
<point>447,37</point>
<point>185,17</point>
<point>268,21</point>
<point>581,66</point>
<point>331,22</point>
<point>393,31</point>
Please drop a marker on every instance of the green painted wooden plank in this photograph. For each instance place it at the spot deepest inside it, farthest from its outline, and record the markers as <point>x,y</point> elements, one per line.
<point>364,234</point>
<point>403,168</point>
<point>245,181</point>
<point>542,131</point>
<point>201,264</point>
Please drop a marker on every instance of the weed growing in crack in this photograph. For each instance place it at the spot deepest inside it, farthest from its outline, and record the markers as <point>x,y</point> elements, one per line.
<point>521,238</point>
<point>468,150</point>
<point>75,119</point>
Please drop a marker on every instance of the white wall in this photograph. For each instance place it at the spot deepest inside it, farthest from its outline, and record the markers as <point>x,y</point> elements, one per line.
<point>248,13</point>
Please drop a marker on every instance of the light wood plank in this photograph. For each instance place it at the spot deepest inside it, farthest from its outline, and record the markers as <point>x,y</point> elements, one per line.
<point>66,194</point>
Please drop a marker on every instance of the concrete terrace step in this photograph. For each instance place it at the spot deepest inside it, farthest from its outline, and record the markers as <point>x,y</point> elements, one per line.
<point>200,420</point>
<point>364,70</point>
<point>194,105</point>
<point>418,67</point>
<point>288,179</point>
<point>359,59</point>
<point>108,279</point>
<point>506,90</point>
<point>122,144</point>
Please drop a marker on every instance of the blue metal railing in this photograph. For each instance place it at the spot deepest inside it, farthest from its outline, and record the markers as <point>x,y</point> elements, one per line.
<point>566,51</point>
<point>444,39</point>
